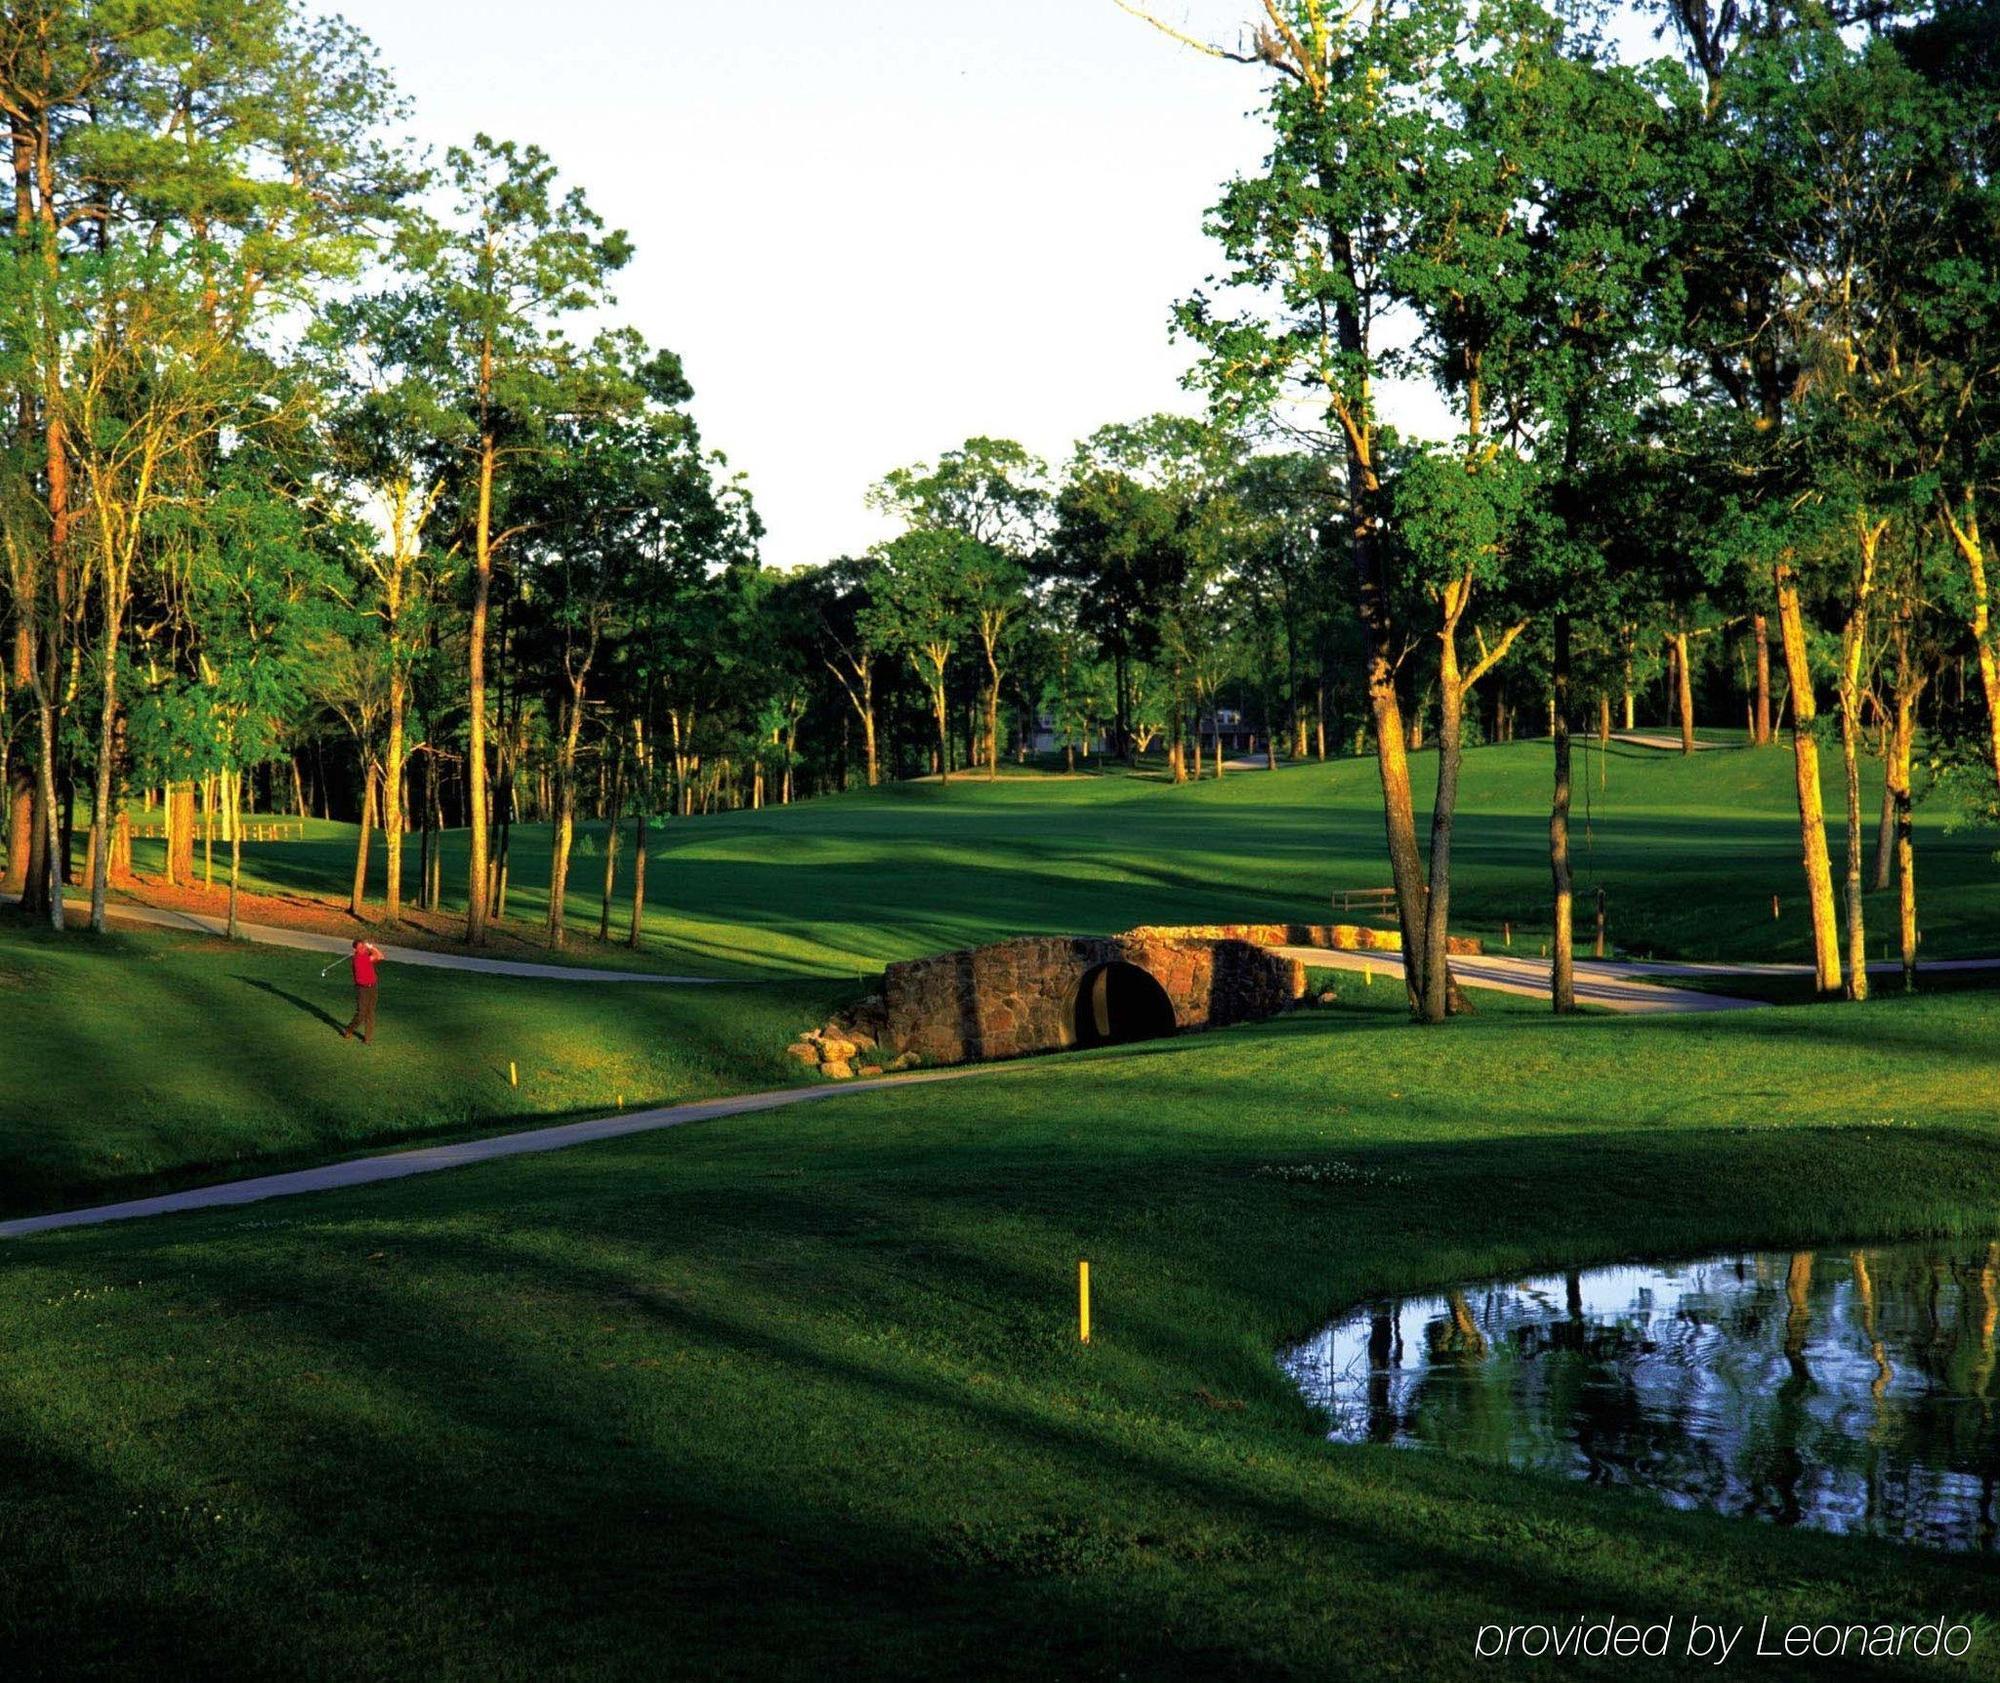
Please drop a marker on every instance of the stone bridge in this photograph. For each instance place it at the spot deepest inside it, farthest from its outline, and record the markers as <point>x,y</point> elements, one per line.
<point>1045,993</point>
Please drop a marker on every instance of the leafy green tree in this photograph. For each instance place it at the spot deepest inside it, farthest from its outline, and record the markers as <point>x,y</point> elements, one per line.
<point>236,140</point>
<point>385,419</point>
<point>487,289</point>
<point>923,610</point>
<point>991,492</point>
<point>622,508</point>
<point>1418,150</point>
<point>1148,523</point>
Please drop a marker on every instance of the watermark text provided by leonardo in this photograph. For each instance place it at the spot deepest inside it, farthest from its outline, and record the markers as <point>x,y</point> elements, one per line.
<point>1720,1642</point>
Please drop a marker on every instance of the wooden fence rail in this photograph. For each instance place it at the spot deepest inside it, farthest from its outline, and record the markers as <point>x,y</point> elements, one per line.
<point>1364,899</point>
<point>254,830</point>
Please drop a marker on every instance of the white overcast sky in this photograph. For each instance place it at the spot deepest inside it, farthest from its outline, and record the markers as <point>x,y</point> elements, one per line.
<point>872,228</point>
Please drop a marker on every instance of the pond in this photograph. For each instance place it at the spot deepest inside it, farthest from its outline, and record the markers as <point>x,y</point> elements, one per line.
<point>1843,1390</point>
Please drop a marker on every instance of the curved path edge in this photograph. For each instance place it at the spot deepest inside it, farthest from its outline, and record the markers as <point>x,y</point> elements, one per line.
<point>425,1160</point>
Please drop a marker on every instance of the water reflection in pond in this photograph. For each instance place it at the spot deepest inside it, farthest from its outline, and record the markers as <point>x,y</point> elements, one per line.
<point>1846,1390</point>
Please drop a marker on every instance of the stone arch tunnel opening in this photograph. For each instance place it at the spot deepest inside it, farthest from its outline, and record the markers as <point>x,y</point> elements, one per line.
<point>1117,1003</point>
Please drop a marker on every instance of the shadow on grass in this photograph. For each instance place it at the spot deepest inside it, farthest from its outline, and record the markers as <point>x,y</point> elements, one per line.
<point>289,998</point>
<point>660,1401</point>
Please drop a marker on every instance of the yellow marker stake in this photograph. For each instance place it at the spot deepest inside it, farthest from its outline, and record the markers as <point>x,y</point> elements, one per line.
<point>1083,1300</point>
<point>513,1076</point>
<point>1368,975</point>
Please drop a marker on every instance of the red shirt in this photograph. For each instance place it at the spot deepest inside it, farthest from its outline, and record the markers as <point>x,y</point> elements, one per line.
<point>364,966</point>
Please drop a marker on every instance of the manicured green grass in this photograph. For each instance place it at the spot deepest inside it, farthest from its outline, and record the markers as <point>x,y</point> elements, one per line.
<point>136,1061</point>
<point>1689,852</point>
<point>800,1394</point>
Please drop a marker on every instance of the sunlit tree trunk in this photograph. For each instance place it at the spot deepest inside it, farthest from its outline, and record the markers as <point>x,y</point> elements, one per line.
<point>943,736</point>
<point>1853,650</point>
<point>1760,728</point>
<point>21,771</point>
<point>1979,621</point>
<point>1437,902</point>
<point>1857,939</point>
<point>1562,976</point>
<point>1910,681</point>
<point>1392,763</point>
<point>989,636</point>
<point>48,880</point>
<point>357,899</point>
<point>565,821</point>
<point>1684,688</point>
<point>1811,804</point>
<point>112,593</point>
<point>475,750</point>
<point>642,766</point>
<point>234,783</point>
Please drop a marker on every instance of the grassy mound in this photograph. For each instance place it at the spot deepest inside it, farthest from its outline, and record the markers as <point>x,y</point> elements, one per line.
<point>134,1062</point>
<point>1689,853</point>
<point>801,1394</point>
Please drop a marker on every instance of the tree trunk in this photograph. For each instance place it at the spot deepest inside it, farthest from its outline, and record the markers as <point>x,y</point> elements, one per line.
<point>1392,762</point>
<point>503,826</point>
<point>475,749</point>
<point>1760,730</point>
<point>1885,828</point>
<point>1811,804</point>
<point>1437,904</point>
<point>107,737</point>
<point>180,835</point>
<point>1857,940</point>
<point>434,887</point>
<point>1979,620</point>
<point>1684,681</point>
<point>21,773</point>
<point>1853,649</point>
<point>992,714</point>
<point>638,878</point>
<point>357,899</point>
<point>392,795</point>
<point>943,732</point>
<point>565,822</point>
<point>1905,731</point>
<point>616,817</point>
<point>46,883</point>
<point>1562,974</point>
<point>233,782</point>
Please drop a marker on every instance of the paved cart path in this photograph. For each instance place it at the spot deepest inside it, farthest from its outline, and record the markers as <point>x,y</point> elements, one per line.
<point>425,1160</point>
<point>1615,985</point>
<point>1599,982</point>
<point>1670,744</point>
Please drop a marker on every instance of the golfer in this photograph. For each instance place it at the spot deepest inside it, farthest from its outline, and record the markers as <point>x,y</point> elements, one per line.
<point>366,957</point>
